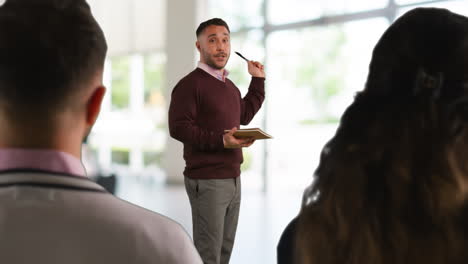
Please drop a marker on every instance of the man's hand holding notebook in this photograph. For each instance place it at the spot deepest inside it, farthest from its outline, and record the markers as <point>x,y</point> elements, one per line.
<point>255,133</point>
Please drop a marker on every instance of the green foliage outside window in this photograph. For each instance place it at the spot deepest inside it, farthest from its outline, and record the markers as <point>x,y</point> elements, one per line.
<point>120,156</point>
<point>152,158</point>
<point>322,72</point>
<point>238,76</point>
<point>247,164</point>
<point>120,82</point>
<point>154,79</point>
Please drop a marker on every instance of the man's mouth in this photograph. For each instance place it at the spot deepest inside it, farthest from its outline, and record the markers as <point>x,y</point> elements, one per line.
<point>220,56</point>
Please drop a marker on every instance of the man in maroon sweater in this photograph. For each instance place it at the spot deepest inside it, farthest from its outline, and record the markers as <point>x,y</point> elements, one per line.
<point>204,104</point>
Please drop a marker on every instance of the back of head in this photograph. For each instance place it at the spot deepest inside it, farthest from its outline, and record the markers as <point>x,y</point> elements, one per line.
<point>391,184</point>
<point>49,50</point>
<point>429,39</point>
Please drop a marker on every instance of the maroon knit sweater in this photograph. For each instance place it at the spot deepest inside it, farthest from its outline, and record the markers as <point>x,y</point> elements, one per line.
<point>201,108</point>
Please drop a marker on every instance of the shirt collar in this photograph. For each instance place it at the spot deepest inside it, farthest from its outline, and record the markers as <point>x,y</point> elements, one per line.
<point>218,74</point>
<point>41,159</point>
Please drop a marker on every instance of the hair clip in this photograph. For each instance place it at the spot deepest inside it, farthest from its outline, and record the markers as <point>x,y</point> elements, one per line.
<point>426,81</point>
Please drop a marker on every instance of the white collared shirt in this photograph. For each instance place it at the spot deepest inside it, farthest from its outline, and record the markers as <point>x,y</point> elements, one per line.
<point>218,74</point>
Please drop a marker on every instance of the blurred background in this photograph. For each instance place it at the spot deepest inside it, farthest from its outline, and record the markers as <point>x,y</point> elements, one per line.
<point>316,55</point>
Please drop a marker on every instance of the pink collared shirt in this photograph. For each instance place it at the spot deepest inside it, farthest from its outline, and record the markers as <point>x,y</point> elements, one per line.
<point>218,74</point>
<point>41,159</point>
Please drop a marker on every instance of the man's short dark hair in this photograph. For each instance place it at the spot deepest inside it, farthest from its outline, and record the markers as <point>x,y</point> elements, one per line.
<point>48,50</point>
<point>211,22</point>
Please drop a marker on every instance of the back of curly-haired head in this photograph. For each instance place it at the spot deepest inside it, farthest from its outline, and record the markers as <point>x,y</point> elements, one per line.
<point>392,183</point>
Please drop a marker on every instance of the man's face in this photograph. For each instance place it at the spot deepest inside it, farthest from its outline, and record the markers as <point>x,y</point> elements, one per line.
<point>214,46</point>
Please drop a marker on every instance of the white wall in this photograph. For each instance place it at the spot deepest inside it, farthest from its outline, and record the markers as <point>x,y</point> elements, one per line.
<point>181,57</point>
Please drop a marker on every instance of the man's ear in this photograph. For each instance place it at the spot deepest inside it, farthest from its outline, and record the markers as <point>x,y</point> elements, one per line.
<point>94,105</point>
<point>197,44</point>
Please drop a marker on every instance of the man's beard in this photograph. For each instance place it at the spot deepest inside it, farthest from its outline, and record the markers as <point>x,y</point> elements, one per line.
<point>212,64</point>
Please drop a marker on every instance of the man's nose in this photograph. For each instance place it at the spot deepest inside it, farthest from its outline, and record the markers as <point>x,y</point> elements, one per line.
<point>220,46</point>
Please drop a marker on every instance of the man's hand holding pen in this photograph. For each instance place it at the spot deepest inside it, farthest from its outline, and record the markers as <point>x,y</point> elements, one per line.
<point>256,69</point>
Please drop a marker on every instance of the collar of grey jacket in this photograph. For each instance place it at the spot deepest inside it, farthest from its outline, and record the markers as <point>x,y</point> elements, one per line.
<point>46,179</point>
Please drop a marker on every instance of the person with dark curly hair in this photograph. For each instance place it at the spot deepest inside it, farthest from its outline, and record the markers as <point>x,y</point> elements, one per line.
<point>392,184</point>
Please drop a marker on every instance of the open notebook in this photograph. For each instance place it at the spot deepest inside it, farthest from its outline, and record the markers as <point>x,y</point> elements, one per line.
<point>256,133</point>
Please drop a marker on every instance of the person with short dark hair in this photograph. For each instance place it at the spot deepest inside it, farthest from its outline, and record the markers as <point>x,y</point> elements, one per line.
<point>51,63</point>
<point>204,104</point>
<point>211,22</point>
<point>392,184</point>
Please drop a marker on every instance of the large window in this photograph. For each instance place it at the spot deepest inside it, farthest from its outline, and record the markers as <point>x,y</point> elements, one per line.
<point>314,73</point>
<point>250,45</point>
<point>317,55</point>
<point>154,79</point>
<point>457,6</point>
<point>120,82</point>
<point>130,135</point>
<point>238,14</point>
<point>281,11</point>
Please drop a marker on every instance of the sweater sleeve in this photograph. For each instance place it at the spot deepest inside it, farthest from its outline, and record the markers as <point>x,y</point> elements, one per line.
<point>182,120</point>
<point>253,100</point>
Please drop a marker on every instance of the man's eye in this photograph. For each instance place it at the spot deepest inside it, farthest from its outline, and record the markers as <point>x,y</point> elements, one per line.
<point>211,40</point>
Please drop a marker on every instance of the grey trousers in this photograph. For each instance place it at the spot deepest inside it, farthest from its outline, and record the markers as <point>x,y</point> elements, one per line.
<point>215,213</point>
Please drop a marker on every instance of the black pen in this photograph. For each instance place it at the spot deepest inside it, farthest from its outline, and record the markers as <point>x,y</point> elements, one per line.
<point>240,55</point>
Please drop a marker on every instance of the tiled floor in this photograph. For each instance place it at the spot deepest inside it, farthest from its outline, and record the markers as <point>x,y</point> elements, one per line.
<point>262,217</point>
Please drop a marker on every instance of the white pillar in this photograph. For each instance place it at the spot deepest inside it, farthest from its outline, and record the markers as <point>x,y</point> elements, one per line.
<point>136,159</point>
<point>105,157</point>
<point>181,57</point>
<point>137,83</point>
<point>137,100</point>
